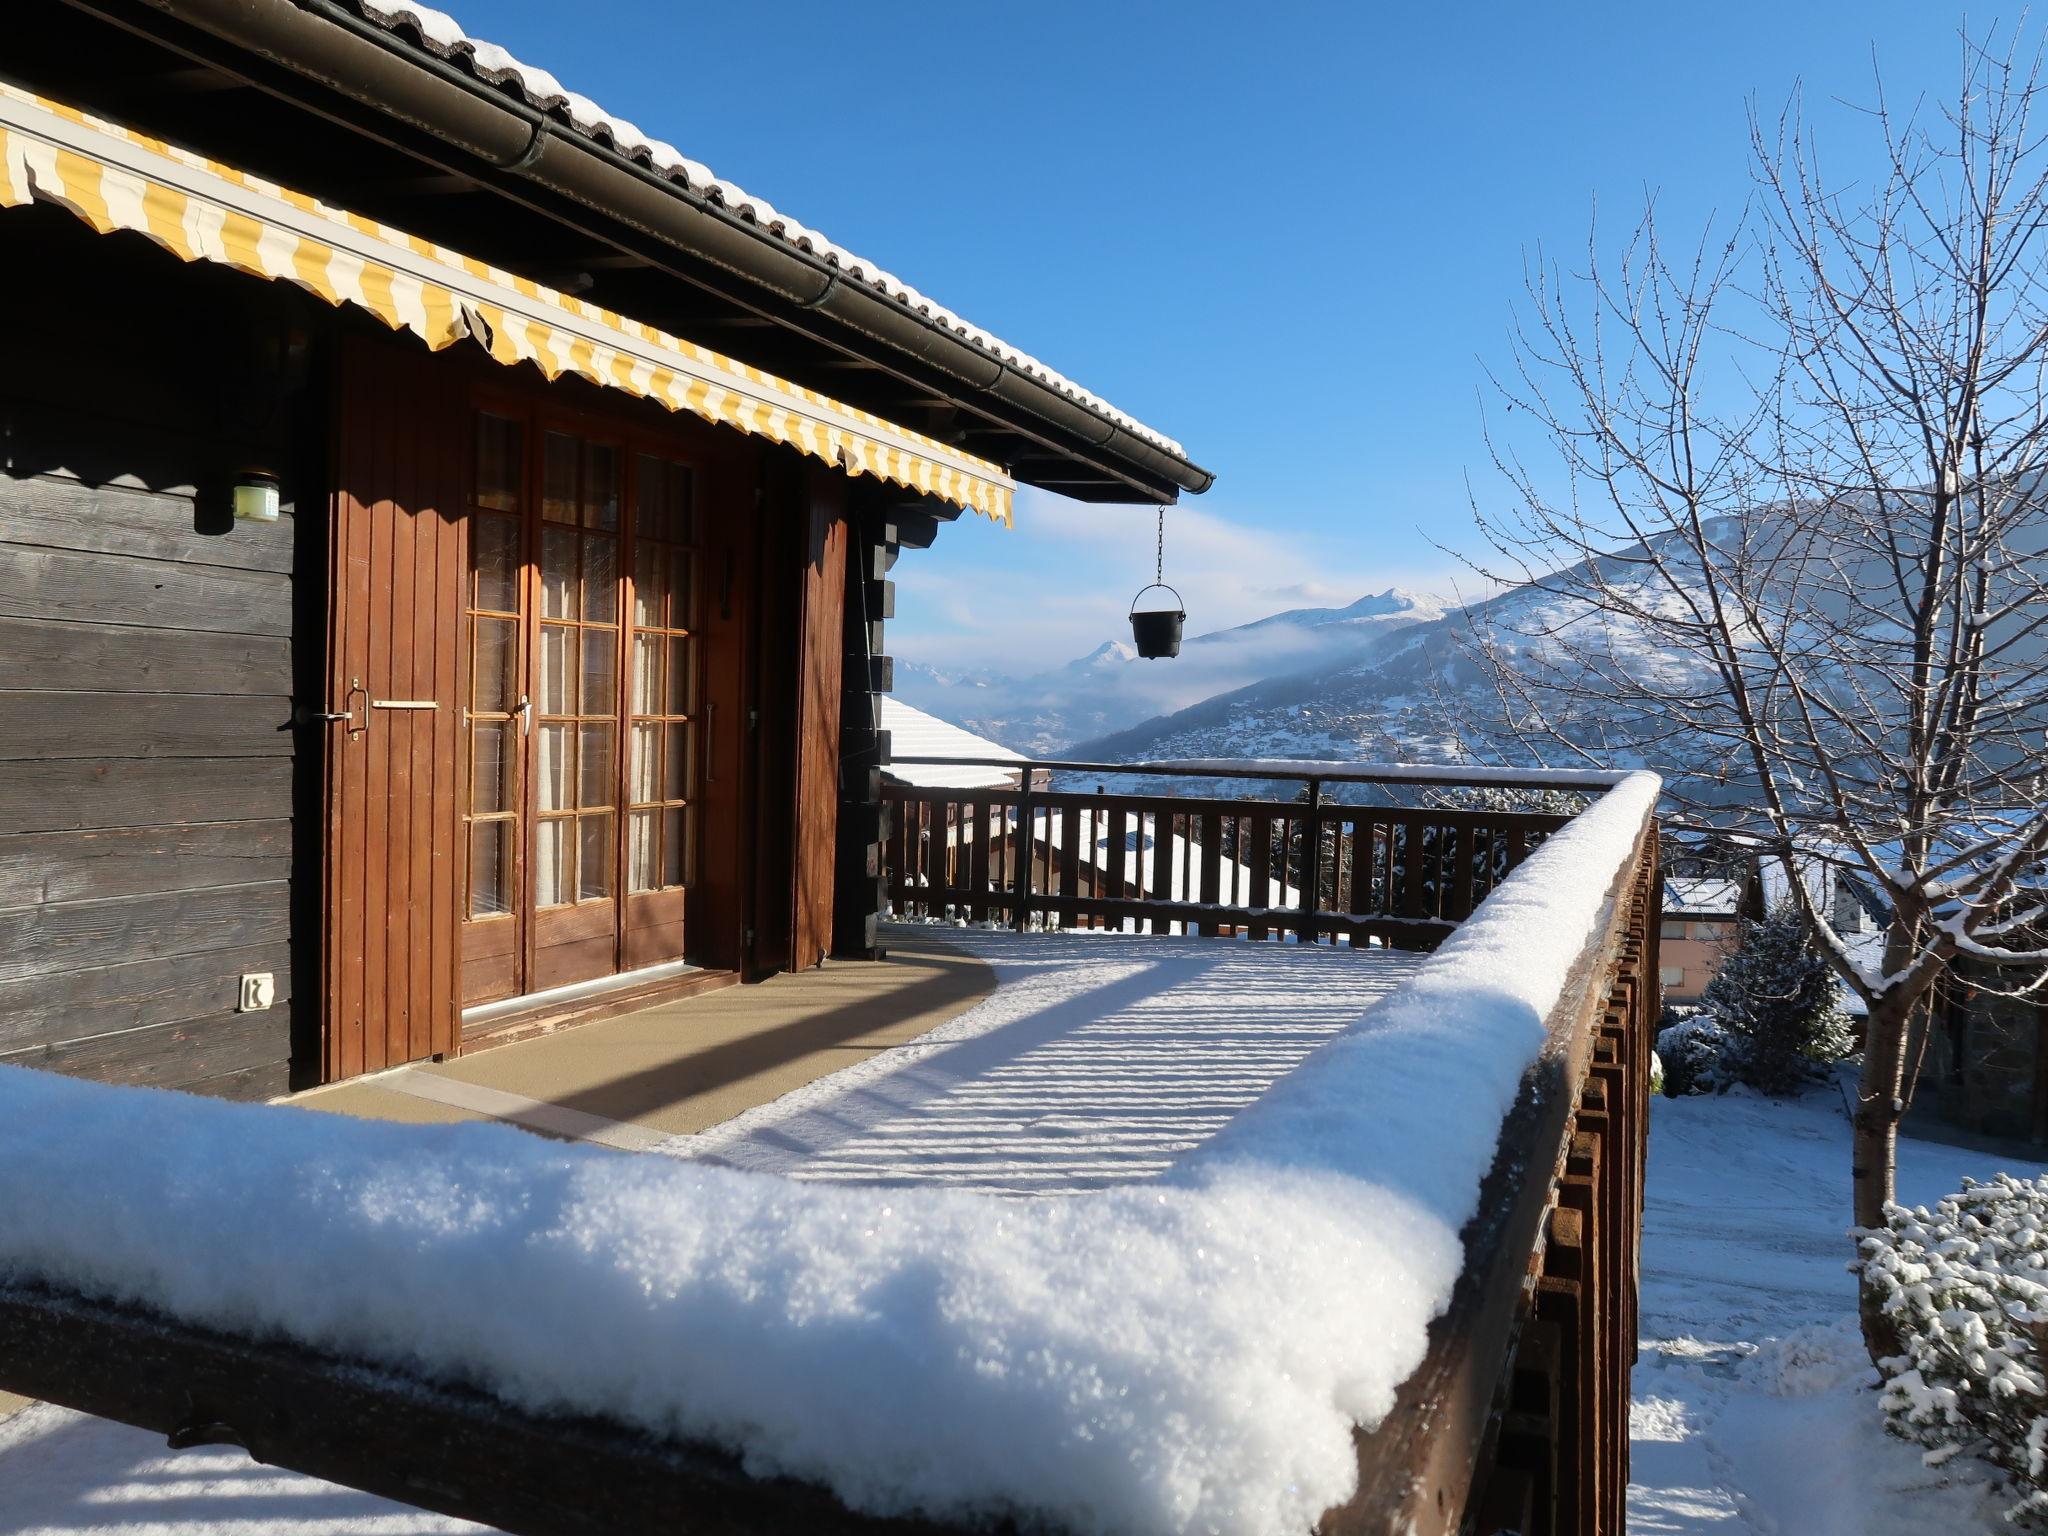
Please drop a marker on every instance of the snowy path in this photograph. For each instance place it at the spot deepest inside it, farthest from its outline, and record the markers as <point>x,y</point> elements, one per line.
<point>1752,1409</point>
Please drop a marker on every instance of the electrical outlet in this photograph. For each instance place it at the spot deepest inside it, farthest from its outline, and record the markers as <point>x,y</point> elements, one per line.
<point>259,991</point>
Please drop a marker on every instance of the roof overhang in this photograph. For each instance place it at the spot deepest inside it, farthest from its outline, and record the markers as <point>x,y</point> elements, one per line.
<point>313,94</point>
<point>204,210</point>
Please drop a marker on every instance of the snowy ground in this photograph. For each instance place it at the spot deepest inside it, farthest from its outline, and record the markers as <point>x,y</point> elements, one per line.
<point>1753,1410</point>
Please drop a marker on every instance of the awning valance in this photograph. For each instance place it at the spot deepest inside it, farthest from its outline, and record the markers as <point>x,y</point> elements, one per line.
<point>203,210</point>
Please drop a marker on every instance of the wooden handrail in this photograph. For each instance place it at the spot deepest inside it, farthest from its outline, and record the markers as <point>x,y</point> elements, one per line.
<point>1315,868</point>
<point>1422,775</point>
<point>1517,1418</point>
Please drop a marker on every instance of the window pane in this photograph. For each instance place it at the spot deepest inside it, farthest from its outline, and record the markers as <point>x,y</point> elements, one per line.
<point>647,650</point>
<point>558,574</point>
<point>598,778</point>
<point>601,579</point>
<point>676,770</point>
<point>558,671</point>
<point>490,868</point>
<point>499,463</point>
<point>679,828</point>
<point>683,615</point>
<point>601,487</point>
<point>650,582</point>
<point>599,688</point>
<point>558,496</point>
<point>650,519</point>
<point>682,522</point>
<point>554,766</point>
<point>644,782</point>
<point>493,770</point>
<point>595,869</point>
<point>492,640</point>
<point>640,850</point>
<point>682,677</point>
<point>495,550</point>
<point>552,857</point>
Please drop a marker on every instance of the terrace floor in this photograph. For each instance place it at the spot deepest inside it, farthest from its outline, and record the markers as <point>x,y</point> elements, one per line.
<point>1014,1063</point>
<point>639,1079</point>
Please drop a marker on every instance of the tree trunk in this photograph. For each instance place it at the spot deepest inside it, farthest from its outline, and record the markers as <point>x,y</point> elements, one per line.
<point>1880,1095</point>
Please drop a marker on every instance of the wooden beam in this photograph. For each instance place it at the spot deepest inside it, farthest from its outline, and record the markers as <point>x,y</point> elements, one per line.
<point>445,1449</point>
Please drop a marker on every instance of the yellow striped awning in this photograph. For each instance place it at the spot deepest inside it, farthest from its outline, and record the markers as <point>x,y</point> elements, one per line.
<point>206,211</point>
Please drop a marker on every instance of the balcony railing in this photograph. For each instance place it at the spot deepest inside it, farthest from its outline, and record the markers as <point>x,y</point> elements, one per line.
<point>1516,1419</point>
<point>1313,868</point>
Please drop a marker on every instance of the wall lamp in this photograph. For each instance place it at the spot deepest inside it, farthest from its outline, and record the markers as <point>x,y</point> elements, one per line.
<point>256,496</point>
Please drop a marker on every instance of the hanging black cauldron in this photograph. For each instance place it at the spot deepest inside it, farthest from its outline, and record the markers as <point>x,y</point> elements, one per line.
<point>1156,631</point>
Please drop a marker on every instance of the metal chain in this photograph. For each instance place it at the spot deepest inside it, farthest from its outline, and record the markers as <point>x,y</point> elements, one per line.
<point>1159,554</point>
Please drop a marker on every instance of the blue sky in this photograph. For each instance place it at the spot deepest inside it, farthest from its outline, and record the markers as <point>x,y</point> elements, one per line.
<point>1287,234</point>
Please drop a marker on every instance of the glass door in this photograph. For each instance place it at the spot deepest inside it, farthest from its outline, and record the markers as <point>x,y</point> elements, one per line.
<point>582,722</point>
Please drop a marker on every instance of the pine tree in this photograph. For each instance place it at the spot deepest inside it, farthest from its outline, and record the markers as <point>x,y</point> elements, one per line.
<point>1777,997</point>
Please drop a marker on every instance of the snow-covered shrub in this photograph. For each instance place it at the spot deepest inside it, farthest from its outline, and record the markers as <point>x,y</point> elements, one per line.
<point>1694,1053</point>
<point>1966,1284</point>
<point>1777,997</point>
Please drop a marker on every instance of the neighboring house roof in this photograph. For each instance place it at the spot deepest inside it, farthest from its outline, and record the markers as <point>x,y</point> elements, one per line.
<point>1181,877</point>
<point>913,733</point>
<point>1701,896</point>
<point>444,37</point>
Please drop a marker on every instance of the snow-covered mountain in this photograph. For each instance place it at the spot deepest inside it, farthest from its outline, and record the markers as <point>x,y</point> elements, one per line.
<point>1417,694</point>
<point>1111,690</point>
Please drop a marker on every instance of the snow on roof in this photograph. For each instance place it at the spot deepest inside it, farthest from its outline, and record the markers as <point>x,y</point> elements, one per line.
<point>1181,876</point>
<point>1185,1354</point>
<point>913,733</point>
<point>1701,896</point>
<point>444,36</point>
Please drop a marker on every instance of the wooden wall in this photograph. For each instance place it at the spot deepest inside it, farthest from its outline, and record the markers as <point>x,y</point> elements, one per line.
<point>147,770</point>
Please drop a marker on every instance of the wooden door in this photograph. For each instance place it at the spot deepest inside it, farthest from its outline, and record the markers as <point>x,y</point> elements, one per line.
<point>394,619</point>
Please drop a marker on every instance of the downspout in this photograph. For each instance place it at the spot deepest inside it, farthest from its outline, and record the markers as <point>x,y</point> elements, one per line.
<point>356,58</point>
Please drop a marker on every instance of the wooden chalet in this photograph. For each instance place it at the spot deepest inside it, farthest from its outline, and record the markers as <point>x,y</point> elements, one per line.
<point>441,535</point>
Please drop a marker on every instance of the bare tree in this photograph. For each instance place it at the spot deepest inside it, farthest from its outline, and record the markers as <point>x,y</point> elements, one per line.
<point>1802,554</point>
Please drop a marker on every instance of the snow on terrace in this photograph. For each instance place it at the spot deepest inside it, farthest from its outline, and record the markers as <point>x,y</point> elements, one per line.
<point>1099,1060</point>
<point>1188,1352</point>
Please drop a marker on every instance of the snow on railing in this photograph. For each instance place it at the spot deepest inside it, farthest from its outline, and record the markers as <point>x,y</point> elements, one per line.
<point>1188,1354</point>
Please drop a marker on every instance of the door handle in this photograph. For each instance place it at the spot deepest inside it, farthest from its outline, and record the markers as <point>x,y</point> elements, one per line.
<point>525,712</point>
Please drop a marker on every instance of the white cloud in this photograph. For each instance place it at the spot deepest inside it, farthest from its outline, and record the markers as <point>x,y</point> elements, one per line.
<point>1061,582</point>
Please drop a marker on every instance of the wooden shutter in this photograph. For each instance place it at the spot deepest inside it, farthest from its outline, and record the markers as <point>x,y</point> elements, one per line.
<point>394,642</point>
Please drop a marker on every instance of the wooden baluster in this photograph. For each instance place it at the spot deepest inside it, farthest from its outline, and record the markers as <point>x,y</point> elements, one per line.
<point>1162,865</point>
<point>1070,855</point>
<point>1364,848</point>
<point>1312,862</point>
<point>1118,855</point>
<point>1260,830</point>
<point>1212,868</point>
<point>981,856</point>
<point>1022,875</point>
